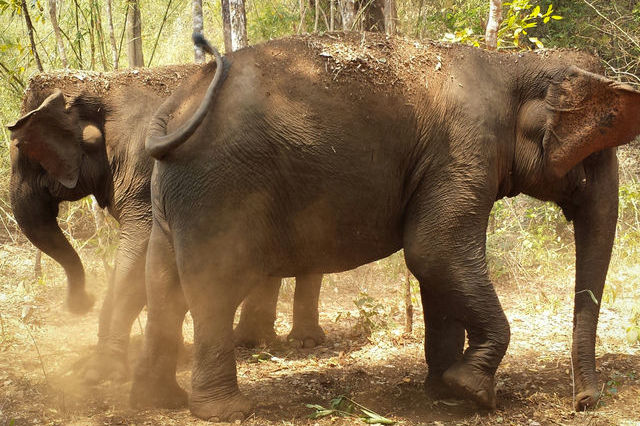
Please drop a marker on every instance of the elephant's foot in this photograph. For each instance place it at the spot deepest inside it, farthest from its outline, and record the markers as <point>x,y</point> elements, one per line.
<point>436,388</point>
<point>158,394</point>
<point>79,302</point>
<point>587,399</point>
<point>250,336</point>
<point>308,336</point>
<point>471,382</point>
<point>229,409</point>
<point>105,365</point>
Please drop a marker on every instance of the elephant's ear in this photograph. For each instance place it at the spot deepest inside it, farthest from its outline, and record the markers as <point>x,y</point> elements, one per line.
<point>587,113</point>
<point>51,136</point>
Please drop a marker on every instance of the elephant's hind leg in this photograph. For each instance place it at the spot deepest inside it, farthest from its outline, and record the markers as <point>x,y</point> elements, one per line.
<point>306,326</point>
<point>154,382</point>
<point>445,249</point>
<point>213,297</point>
<point>258,315</point>
<point>444,341</point>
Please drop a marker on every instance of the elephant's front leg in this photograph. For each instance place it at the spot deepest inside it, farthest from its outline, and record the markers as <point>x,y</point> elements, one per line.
<point>444,243</point>
<point>154,381</point>
<point>595,212</point>
<point>258,316</point>
<point>306,327</point>
<point>123,303</point>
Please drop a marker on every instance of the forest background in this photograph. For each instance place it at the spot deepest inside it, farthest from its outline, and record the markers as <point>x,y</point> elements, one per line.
<point>524,235</point>
<point>530,244</point>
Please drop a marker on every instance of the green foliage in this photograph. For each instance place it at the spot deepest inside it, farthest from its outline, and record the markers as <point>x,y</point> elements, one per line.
<point>346,407</point>
<point>520,17</point>
<point>527,239</point>
<point>370,316</point>
<point>633,331</point>
<point>271,19</point>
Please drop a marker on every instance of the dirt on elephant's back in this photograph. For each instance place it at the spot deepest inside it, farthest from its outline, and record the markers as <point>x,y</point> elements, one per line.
<point>161,80</point>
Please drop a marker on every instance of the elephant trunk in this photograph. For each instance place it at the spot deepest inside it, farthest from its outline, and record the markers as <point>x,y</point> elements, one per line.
<point>36,215</point>
<point>595,225</point>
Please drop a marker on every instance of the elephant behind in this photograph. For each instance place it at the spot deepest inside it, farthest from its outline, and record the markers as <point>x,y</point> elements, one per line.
<point>317,154</point>
<point>83,133</point>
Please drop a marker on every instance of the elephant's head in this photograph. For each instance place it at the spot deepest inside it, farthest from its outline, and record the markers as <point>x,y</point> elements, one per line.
<point>57,153</point>
<point>586,113</point>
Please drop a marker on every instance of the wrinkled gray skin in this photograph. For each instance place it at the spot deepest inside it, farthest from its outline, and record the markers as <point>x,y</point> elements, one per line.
<point>298,168</point>
<point>90,140</point>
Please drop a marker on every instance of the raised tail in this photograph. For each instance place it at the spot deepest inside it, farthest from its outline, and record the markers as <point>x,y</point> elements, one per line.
<point>158,143</point>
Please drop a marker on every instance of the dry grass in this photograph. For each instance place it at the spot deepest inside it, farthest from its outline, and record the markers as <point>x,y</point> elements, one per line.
<point>383,371</point>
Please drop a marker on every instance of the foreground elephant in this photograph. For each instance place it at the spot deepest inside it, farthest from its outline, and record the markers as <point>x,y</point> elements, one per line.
<point>83,133</point>
<point>320,154</point>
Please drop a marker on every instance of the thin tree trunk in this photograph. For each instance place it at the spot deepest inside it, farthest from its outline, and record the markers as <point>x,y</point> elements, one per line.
<point>134,35</point>
<point>53,15</point>
<point>390,16</point>
<point>234,25</point>
<point>226,26</point>
<point>197,29</point>
<point>164,21</point>
<point>408,305</point>
<point>332,13</point>
<point>30,30</point>
<point>37,265</point>
<point>112,36</point>
<point>495,16</point>
<point>419,20</point>
<point>100,35</point>
<point>316,17</point>
<point>303,14</point>
<point>92,46</point>
<point>78,38</point>
<point>348,14</point>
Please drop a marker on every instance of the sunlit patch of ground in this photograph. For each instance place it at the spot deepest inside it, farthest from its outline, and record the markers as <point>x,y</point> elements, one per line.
<point>42,347</point>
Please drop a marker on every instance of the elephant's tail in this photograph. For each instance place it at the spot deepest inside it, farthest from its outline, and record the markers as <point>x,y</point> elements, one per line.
<point>158,143</point>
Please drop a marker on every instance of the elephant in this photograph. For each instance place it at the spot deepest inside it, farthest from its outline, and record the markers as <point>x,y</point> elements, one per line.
<point>81,134</point>
<point>319,153</point>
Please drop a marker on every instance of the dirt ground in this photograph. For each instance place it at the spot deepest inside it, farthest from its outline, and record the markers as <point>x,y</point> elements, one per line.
<point>43,347</point>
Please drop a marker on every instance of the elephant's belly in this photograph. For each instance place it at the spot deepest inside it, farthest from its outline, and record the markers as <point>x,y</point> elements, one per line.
<point>332,242</point>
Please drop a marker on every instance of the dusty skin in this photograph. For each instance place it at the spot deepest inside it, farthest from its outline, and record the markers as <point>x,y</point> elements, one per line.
<point>42,347</point>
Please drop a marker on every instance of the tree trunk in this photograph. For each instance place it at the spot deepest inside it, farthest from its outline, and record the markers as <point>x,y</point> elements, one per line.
<point>92,46</point>
<point>303,14</point>
<point>30,30</point>
<point>348,10</point>
<point>495,16</point>
<point>317,16</point>
<point>56,29</point>
<point>332,13</point>
<point>112,36</point>
<point>37,265</point>
<point>197,29</point>
<point>238,24</point>
<point>390,16</point>
<point>371,14</point>
<point>408,305</point>
<point>234,25</point>
<point>134,35</point>
<point>100,35</point>
<point>226,26</point>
